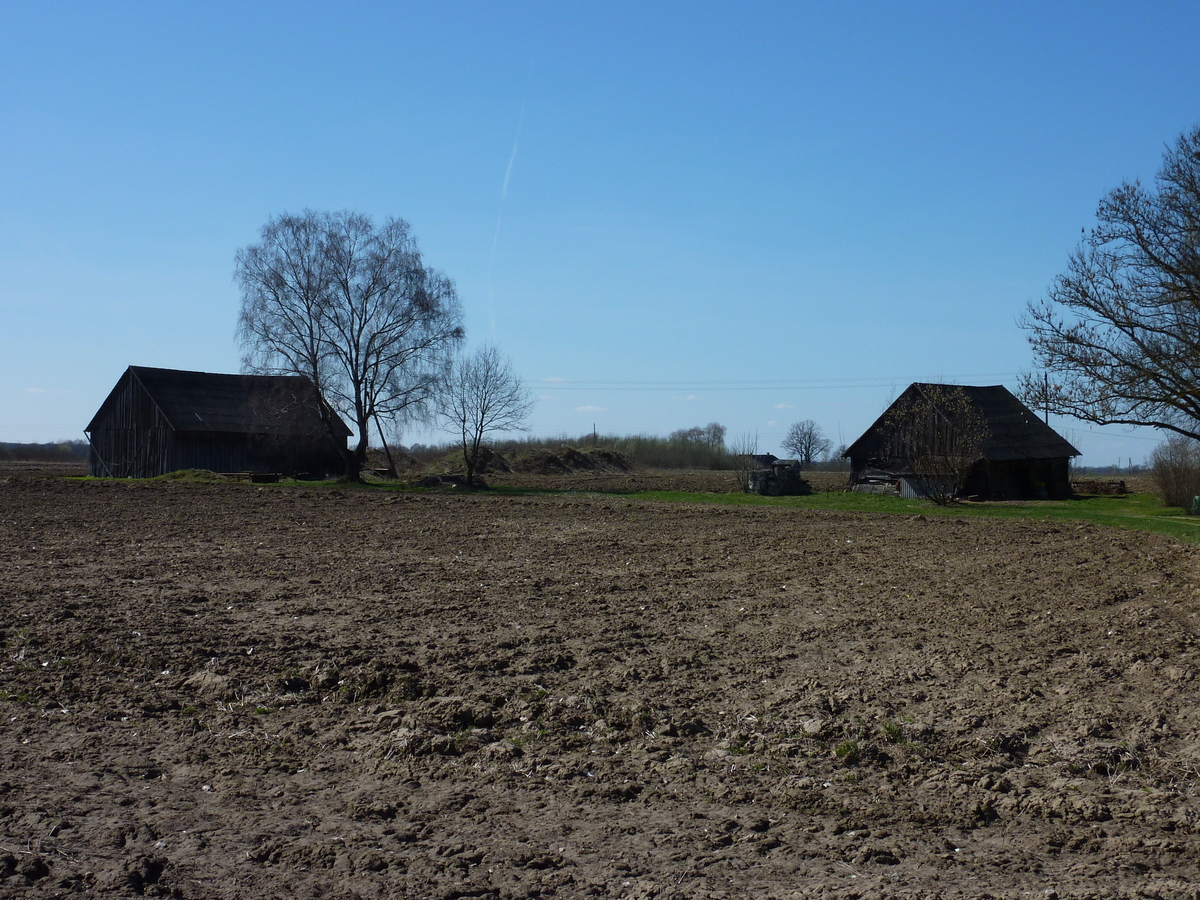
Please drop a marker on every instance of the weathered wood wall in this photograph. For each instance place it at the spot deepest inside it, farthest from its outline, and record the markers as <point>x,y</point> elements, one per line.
<point>133,439</point>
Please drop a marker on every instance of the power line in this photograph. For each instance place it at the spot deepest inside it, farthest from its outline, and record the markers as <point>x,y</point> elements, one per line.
<point>748,384</point>
<point>1132,437</point>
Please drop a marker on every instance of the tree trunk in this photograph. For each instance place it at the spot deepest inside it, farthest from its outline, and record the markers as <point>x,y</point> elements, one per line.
<point>469,463</point>
<point>387,451</point>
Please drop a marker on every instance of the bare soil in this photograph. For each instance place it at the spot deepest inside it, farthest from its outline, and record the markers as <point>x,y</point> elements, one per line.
<point>632,481</point>
<point>638,479</point>
<point>237,691</point>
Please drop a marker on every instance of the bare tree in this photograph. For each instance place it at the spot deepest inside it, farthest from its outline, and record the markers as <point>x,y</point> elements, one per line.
<point>1118,337</point>
<point>744,450</point>
<point>711,435</point>
<point>941,433</point>
<point>807,441</point>
<point>353,307</point>
<point>714,435</point>
<point>483,396</point>
<point>836,461</point>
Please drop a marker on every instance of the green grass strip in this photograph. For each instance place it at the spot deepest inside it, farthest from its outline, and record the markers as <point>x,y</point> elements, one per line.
<point>1136,511</point>
<point>1139,512</point>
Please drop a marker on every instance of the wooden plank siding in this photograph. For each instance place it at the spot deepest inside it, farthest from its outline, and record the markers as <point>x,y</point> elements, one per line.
<point>223,423</point>
<point>134,439</point>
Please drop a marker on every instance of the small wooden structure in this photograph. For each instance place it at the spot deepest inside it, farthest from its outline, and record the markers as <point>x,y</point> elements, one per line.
<point>1021,458</point>
<point>781,478</point>
<point>156,421</point>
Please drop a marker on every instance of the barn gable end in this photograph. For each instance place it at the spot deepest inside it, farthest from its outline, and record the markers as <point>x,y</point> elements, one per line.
<point>156,421</point>
<point>1022,457</point>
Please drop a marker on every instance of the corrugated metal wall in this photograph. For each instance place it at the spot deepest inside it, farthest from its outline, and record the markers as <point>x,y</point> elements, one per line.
<point>913,489</point>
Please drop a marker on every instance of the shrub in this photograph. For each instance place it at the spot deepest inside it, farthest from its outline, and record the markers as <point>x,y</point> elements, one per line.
<point>1175,465</point>
<point>647,451</point>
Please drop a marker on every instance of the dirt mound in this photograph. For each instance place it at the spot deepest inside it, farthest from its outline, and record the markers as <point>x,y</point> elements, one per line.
<point>564,461</point>
<point>568,460</point>
<point>491,463</point>
<point>377,460</point>
<point>196,475</point>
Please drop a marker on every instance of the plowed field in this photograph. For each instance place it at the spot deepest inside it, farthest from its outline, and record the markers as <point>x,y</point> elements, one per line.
<point>238,691</point>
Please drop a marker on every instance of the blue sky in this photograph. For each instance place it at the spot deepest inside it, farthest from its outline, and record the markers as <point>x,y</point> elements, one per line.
<point>665,214</point>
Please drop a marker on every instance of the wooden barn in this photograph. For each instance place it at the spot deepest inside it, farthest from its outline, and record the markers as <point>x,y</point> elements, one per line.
<point>1021,457</point>
<point>161,420</point>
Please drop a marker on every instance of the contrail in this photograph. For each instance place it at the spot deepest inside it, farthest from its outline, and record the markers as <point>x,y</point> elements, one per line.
<point>513,157</point>
<point>500,218</point>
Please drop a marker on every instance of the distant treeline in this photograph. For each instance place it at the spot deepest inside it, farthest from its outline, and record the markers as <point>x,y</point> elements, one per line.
<point>62,451</point>
<point>1112,471</point>
<point>644,450</point>
<point>694,448</point>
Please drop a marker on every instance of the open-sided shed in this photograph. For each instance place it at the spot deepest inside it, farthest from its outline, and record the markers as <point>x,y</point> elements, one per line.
<point>156,421</point>
<point>1021,457</point>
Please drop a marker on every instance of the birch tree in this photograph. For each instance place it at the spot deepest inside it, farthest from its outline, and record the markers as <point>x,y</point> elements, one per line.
<point>353,307</point>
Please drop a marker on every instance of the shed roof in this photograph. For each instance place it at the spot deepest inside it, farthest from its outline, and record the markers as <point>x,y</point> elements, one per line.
<point>245,404</point>
<point>1014,430</point>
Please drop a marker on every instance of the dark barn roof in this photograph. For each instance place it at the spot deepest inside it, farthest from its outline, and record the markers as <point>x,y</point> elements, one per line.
<point>232,404</point>
<point>1014,430</point>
